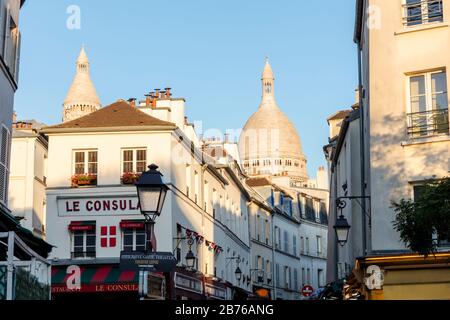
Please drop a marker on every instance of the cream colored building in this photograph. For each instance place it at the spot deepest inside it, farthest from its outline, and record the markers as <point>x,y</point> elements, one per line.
<point>405,104</point>
<point>28,175</point>
<point>403,121</point>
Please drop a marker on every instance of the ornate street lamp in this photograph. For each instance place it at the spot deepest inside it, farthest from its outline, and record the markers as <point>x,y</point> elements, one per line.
<point>238,274</point>
<point>190,257</point>
<point>342,229</point>
<point>151,193</point>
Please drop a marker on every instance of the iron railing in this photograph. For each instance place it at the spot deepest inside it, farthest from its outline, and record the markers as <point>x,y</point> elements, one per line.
<point>428,123</point>
<point>422,11</point>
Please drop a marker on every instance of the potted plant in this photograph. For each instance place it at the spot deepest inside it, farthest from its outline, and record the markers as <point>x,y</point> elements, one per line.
<point>130,177</point>
<point>84,180</point>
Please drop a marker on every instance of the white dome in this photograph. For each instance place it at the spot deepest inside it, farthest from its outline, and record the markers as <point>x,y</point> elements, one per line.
<point>269,143</point>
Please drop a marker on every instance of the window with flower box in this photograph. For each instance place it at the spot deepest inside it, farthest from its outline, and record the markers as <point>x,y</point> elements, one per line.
<point>134,162</point>
<point>85,168</point>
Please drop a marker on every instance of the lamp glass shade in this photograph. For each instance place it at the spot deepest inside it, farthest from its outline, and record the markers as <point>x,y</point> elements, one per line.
<point>238,274</point>
<point>151,192</point>
<point>190,259</point>
<point>342,229</point>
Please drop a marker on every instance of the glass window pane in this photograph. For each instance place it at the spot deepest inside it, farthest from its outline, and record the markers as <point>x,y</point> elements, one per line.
<point>417,85</point>
<point>128,155</point>
<point>439,90</point>
<point>92,168</point>
<point>128,239</point>
<point>79,157</point>
<point>90,240</point>
<point>128,167</point>
<point>141,155</point>
<point>140,166</point>
<point>92,156</point>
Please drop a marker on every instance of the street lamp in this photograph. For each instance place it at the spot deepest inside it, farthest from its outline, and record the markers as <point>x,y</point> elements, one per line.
<point>342,229</point>
<point>238,274</point>
<point>151,193</point>
<point>190,257</point>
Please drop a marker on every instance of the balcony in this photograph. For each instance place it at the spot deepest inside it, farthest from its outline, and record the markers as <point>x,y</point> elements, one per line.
<point>422,12</point>
<point>428,123</point>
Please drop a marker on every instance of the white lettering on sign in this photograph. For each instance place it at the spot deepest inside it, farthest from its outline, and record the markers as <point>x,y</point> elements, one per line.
<point>98,206</point>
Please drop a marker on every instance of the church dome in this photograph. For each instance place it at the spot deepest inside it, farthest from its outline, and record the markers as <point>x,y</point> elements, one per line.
<point>269,143</point>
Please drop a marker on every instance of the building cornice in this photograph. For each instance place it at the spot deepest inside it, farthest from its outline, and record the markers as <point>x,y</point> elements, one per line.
<point>55,131</point>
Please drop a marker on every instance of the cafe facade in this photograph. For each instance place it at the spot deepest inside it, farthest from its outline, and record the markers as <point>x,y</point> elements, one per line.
<point>93,213</point>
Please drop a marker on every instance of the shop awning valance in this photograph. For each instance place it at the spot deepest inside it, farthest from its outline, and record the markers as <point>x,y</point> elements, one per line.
<point>82,226</point>
<point>132,224</point>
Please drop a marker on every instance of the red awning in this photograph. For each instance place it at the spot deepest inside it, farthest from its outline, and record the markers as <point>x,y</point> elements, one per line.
<point>82,226</point>
<point>132,224</point>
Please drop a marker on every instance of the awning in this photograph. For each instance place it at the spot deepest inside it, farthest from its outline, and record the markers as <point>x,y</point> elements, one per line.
<point>82,226</point>
<point>93,278</point>
<point>132,224</point>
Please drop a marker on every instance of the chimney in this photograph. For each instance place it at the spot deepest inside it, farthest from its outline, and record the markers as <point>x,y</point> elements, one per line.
<point>132,102</point>
<point>14,119</point>
<point>157,93</point>
<point>168,94</point>
<point>162,94</point>
<point>148,97</point>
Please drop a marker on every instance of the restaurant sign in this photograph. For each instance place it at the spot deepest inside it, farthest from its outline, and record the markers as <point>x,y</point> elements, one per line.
<point>153,262</point>
<point>99,206</point>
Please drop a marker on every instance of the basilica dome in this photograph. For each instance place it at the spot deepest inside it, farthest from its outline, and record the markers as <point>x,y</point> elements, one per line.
<point>269,143</point>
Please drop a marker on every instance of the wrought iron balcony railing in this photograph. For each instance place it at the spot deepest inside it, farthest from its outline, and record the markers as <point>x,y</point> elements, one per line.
<point>428,123</point>
<point>422,12</point>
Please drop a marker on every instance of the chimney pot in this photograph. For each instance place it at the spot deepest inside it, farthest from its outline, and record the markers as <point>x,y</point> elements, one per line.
<point>148,98</point>
<point>132,101</point>
<point>168,94</point>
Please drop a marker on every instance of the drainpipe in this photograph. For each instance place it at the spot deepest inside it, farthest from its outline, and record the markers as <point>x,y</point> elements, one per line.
<point>362,150</point>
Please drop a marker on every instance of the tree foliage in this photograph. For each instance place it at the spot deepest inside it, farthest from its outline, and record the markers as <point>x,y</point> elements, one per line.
<point>425,221</point>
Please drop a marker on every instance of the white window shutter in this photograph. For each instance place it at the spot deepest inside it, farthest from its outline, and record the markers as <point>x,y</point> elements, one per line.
<point>7,37</point>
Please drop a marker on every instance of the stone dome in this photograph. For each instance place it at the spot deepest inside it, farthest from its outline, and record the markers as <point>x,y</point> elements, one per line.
<point>82,97</point>
<point>269,143</point>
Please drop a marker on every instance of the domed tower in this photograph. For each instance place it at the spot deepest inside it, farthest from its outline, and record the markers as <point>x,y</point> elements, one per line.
<point>269,144</point>
<point>82,97</point>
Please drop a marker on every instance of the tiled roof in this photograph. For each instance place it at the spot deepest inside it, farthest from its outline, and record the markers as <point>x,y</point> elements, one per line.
<point>118,114</point>
<point>258,182</point>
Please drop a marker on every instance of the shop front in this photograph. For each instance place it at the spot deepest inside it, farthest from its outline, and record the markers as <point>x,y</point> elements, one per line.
<point>215,290</point>
<point>400,277</point>
<point>98,282</point>
<point>186,285</point>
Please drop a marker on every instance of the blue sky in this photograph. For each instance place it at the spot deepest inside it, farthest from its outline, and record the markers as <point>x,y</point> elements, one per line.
<point>210,52</point>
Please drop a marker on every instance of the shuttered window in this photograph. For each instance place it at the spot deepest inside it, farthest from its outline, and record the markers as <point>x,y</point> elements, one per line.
<point>4,164</point>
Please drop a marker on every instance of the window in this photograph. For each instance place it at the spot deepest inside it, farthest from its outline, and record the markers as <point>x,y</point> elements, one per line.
<point>277,238</point>
<point>85,162</point>
<point>307,245</point>
<point>134,240</point>
<point>5,142</point>
<point>286,242</point>
<point>267,228</point>
<point>188,179</point>
<point>83,243</point>
<point>309,209</point>
<point>268,272</point>
<point>196,186</point>
<point>319,245</point>
<point>277,274</point>
<point>320,277</point>
<point>287,277</point>
<point>302,245</point>
<point>206,195</point>
<point>418,12</point>
<point>428,104</point>
<point>294,245</point>
<point>214,202</point>
<point>10,40</point>
<point>303,277</point>
<point>295,280</point>
<point>134,160</point>
<point>308,276</point>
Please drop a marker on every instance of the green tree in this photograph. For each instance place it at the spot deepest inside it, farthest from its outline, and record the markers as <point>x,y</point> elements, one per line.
<point>419,221</point>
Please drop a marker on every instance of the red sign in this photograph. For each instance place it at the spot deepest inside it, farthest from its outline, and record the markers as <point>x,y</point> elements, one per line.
<point>307,291</point>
